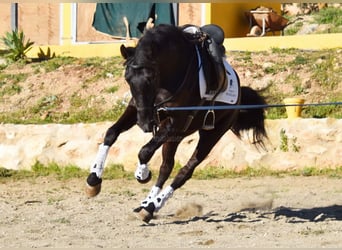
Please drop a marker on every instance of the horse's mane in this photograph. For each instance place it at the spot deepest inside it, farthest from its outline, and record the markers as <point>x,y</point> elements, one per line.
<point>159,39</point>
<point>167,52</point>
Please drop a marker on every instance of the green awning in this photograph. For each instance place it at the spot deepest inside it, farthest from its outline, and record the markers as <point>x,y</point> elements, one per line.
<point>108,17</point>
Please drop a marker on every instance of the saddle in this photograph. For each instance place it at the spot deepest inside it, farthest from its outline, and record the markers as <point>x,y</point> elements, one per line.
<point>209,41</point>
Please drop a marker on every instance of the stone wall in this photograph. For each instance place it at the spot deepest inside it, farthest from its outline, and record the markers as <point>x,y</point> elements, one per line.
<point>292,144</point>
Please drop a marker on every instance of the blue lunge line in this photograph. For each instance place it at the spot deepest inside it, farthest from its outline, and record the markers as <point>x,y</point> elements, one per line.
<point>244,106</point>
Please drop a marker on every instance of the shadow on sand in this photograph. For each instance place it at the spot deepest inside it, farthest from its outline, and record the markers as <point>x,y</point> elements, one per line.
<point>311,214</point>
<point>292,215</point>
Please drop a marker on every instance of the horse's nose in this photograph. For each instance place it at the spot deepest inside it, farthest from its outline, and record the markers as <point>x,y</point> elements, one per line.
<point>145,126</point>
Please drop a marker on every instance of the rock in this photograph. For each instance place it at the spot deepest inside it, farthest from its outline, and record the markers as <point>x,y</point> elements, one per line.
<point>3,61</point>
<point>308,29</point>
<point>267,65</point>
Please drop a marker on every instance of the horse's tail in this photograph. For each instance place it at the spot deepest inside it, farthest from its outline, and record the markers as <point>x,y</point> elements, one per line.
<point>251,118</point>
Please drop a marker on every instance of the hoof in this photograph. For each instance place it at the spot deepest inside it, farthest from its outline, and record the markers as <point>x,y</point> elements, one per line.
<point>149,177</point>
<point>145,213</point>
<point>145,216</point>
<point>137,210</point>
<point>93,186</point>
<point>92,191</point>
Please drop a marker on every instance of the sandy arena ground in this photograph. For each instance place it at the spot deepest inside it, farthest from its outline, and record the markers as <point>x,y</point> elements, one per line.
<point>242,212</point>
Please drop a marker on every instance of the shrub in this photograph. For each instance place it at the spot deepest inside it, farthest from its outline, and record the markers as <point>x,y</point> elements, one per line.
<point>329,15</point>
<point>16,45</point>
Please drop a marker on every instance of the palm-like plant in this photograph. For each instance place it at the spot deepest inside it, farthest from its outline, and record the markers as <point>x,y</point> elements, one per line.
<point>48,55</point>
<point>16,45</point>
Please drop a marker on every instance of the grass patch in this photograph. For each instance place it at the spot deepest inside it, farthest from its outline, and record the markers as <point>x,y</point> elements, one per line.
<point>93,114</point>
<point>245,57</point>
<point>44,112</point>
<point>324,71</point>
<point>46,103</point>
<point>276,68</point>
<point>292,79</point>
<point>117,171</point>
<point>334,111</point>
<point>114,171</point>
<point>112,89</point>
<point>53,64</point>
<point>110,67</point>
<point>10,89</point>
<point>213,172</point>
<point>61,173</point>
<point>38,170</point>
<point>9,83</point>
<point>272,98</point>
<point>299,60</point>
<point>294,29</point>
<point>329,15</point>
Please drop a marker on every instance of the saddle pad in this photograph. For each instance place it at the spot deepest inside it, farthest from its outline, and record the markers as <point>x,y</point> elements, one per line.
<point>230,95</point>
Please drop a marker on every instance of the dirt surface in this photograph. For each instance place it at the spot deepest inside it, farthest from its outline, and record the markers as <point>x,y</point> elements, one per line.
<point>240,212</point>
<point>72,88</point>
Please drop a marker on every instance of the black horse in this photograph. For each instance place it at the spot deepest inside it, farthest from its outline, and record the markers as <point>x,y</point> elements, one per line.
<point>163,72</point>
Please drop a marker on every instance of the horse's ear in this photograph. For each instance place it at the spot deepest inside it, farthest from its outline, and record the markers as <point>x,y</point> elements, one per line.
<point>126,52</point>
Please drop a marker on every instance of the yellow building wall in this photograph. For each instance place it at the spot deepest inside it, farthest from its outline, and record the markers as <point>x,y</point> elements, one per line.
<point>231,16</point>
<point>66,10</point>
<point>308,42</point>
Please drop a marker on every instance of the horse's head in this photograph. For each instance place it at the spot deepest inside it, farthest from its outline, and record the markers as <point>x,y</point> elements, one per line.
<point>142,79</point>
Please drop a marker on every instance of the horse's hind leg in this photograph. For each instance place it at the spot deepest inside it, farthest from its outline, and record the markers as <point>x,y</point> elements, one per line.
<point>147,207</point>
<point>207,140</point>
<point>125,122</point>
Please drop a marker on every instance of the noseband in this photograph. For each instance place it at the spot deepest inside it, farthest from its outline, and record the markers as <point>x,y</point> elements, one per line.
<point>134,66</point>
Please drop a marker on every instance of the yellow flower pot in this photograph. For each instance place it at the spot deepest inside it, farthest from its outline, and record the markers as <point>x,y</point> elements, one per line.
<point>293,111</point>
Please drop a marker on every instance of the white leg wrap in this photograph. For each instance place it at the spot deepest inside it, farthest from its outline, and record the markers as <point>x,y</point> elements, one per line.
<point>142,172</point>
<point>153,193</point>
<point>98,165</point>
<point>162,197</point>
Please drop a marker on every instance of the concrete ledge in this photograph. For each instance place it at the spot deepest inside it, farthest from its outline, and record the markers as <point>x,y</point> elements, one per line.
<point>310,143</point>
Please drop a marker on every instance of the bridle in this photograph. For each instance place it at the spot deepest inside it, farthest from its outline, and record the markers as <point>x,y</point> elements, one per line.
<point>157,108</point>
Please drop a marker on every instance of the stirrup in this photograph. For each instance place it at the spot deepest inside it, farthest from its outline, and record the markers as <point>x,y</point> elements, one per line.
<point>209,120</point>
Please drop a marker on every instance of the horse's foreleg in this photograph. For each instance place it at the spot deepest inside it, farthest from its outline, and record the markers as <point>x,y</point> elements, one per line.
<point>97,167</point>
<point>146,210</point>
<point>157,197</point>
<point>125,122</point>
<point>207,141</point>
<point>168,153</point>
<point>142,172</point>
<point>185,173</point>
